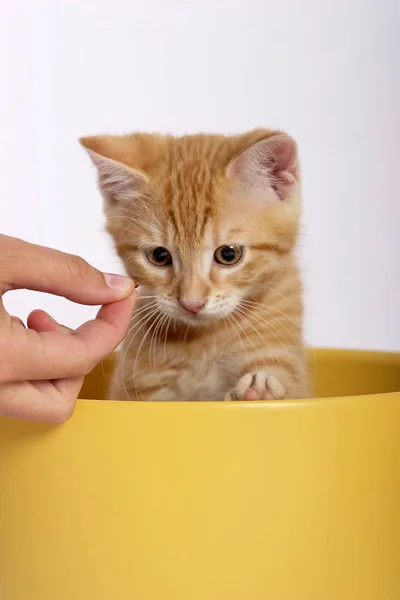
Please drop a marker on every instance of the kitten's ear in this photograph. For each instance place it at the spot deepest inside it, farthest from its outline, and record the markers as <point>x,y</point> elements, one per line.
<point>117,181</point>
<point>269,163</point>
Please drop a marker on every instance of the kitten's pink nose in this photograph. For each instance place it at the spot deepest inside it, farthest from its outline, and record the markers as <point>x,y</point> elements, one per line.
<point>193,306</point>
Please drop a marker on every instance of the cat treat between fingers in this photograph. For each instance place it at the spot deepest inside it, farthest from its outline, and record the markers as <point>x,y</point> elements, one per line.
<point>208,226</point>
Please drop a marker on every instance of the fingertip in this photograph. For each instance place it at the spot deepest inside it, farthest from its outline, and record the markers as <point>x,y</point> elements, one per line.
<point>36,317</point>
<point>121,284</point>
<point>40,321</point>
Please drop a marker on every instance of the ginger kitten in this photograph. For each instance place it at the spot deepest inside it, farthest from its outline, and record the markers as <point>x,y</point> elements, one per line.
<point>207,225</point>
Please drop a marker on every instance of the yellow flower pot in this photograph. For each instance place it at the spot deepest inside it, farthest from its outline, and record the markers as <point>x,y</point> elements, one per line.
<point>296,500</point>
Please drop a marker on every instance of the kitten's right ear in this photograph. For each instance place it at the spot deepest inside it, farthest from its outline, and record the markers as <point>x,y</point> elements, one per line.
<point>117,181</point>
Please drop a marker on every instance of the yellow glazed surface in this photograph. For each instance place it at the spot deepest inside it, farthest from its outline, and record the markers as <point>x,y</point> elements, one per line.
<point>295,500</point>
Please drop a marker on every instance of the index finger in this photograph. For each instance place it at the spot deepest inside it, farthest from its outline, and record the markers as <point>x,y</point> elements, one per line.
<point>53,355</point>
<point>25,265</point>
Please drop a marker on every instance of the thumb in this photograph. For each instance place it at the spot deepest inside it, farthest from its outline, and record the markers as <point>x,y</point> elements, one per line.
<point>40,321</point>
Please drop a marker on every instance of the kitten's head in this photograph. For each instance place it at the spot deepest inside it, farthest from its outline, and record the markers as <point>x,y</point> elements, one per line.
<point>201,222</point>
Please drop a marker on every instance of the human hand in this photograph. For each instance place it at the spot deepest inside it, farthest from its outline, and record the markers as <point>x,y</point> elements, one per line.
<point>42,366</point>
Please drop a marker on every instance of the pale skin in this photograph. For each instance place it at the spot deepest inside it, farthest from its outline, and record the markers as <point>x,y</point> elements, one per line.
<point>42,366</point>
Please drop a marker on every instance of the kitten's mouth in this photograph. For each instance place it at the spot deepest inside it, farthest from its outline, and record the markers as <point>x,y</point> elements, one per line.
<point>200,319</point>
<point>194,318</point>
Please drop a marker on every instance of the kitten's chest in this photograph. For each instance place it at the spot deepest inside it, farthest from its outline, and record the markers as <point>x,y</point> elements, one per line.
<point>203,377</point>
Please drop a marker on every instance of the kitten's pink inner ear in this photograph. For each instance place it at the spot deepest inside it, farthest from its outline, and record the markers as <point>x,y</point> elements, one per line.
<point>269,163</point>
<point>117,181</point>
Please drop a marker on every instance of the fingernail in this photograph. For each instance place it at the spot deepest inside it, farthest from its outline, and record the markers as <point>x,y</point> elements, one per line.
<point>118,282</point>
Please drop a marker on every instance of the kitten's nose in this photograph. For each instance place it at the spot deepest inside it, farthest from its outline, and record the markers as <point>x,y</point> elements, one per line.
<point>191,305</point>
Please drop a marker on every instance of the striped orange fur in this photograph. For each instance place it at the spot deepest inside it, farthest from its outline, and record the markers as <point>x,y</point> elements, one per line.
<point>205,329</point>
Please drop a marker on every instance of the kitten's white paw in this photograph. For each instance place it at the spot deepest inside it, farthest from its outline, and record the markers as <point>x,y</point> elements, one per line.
<point>257,386</point>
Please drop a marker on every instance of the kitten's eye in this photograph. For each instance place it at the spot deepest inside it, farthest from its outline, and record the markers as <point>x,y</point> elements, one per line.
<point>159,256</point>
<point>228,255</point>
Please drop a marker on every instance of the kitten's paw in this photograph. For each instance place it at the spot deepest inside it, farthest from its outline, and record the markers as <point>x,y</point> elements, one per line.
<point>257,386</point>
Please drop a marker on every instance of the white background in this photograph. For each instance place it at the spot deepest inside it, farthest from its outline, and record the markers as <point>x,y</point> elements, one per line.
<point>327,71</point>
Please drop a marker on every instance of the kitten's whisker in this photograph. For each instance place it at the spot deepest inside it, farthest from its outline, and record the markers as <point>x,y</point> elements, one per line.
<point>267,307</point>
<point>142,319</point>
<point>235,324</point>
<point>270,324</point>
<point>138,353</point>
<point>153,343</point>
<point>259,335</point>
<point>159,330</point>
<point>273,354</point>
<point>164,332</point>
<point>148,317</point>
<point>185,333</point>
<point>165,337</point>
<point>273,329</point>
<point>274,290</point>
<point>142,311</point>
<point>284,316</point>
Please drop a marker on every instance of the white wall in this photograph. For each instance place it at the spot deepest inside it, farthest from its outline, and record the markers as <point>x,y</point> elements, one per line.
<point>327,71</point>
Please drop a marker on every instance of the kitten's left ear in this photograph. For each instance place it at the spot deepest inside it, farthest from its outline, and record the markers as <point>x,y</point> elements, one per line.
<point>269,163</point>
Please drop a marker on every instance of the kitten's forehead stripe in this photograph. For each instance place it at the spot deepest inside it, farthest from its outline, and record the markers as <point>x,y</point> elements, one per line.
<point>189,191</point>
<point>172,219</point>
<point>204,222</point>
